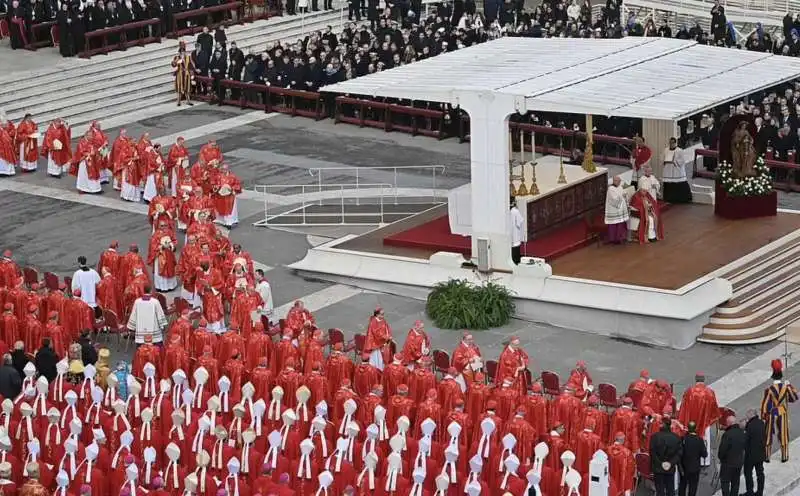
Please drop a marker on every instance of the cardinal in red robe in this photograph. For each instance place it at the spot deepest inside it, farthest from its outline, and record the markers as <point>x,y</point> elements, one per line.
<point>557,445</point>
<point>55,333</point>
<point>176,355</point>
<point>28,143</point>
<point>181,327</point>
<point>449,390</point>
<point>109,295</point>
<point>259,346</point>
<point>147,352</point>
<point>32,331</point>
<point>209,283</point>
<point>56,147</point>
<point>526,435</point>
<point>337,368</point>
<point>365,376</point>
<point>648,211</point>
<point>478,395</point>
<point>417,344</point>
<point>507,398</point>
<point>177,160</point>
<point>289,379</point>
<point>228,343</point>
<point>429,408</point>
<point>586,444</point>
<point>9,324</point>
<point>224,188</point>
<point>285,350</point>
<point>580,380</point>
<point>466,358</point>
<point>628,422</point>
<point>234,369</point>
<point>601,419</point>
<point>244,305</point>
<point>621,464</point>
<point>568,410</point>
<point>699,405</point>
<point>163,208</point>
<point>161,256</point>
<point>312,349</point>
<point>379,336</point>
<point>399,405</point>
<point>129,262</point>
<point>297,317</point>
<point>421,380</point>
<point>262,379</point>
<point>512,362</point>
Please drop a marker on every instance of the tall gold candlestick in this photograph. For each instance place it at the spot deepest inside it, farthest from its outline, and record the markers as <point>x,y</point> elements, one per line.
<point>588,153</point>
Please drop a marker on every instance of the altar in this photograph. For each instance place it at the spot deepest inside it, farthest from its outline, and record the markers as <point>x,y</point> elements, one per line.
<point>556,204</point>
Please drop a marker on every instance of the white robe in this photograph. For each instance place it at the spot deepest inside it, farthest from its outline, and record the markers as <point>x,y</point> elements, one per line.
<point>265,291</point>
<point>674,166</point>
<point>86,281</point>
<point>150,190</point>
<point>147,317</point>
<point>650,184</point>
<point>162,283</point>
<point>24,164</point>
<point>616,205</point>
<point>7,168</point>
<point>83,183</point>
<point>54,169</point>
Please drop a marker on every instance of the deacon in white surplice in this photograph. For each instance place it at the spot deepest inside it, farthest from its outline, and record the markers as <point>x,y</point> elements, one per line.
<point>616,217</point>
<point>147,317</point>
<point>676,186</point>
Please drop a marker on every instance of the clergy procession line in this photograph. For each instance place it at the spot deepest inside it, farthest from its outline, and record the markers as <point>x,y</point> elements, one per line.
<point>137,168</point>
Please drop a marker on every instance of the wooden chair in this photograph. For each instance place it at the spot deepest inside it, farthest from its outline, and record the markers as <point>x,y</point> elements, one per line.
<point>491,370</point>
<point>608,395</point>
<point>30,276</point>
<point>595,226</point>
<point>551,384</point>
<point>51,281</point>
<point>334,336</point>
<point>441,361</point>
<point>644,471</point>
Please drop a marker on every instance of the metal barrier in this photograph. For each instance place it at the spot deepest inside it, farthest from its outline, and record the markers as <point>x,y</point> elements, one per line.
<point>359,171</point>
<point>312,195</point>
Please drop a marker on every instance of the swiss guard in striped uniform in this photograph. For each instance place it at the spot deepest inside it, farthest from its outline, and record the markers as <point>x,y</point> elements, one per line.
<point>775,409</point>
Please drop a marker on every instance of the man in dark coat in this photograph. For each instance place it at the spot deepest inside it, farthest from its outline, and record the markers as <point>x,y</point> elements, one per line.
<point>731,457</point>
<point>755,453</point>
<point>19,358</point>
<point>45,360</point>
<point>10,379</point>
<point>665,453</point>
<point>88,351</point>
<point>694,450</point>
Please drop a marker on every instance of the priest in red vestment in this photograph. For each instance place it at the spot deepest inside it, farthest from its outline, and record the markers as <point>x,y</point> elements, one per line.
<point>416,345</point>
<point>289,379</point>
<point>699,405</point>
<point>9,325</point>
<point>32,329</point>
<point>8,155</point>
<point>285,350</point>
<point>586,444</point>
<point>601,419</point>
<point>399,405</point>
<point>176,355</point>
<point>629,422</point>
<point>365,376</point>
<point>569,411</point>
<point>55,333</point>
<point>225,187</point>
<point>259,346</point>
<point>580,380</point>
<point>110,259</point>
<point>147,352</point>
<point>621,464</point>
<point>209,287</point>
<point>657,396</point>
<point>512,362</point>
<point>121,149</point>
<point>161,256</point>
<point>337,368</point>
<point>56,147</point>
<point>379,336</point>
<point>181,327</point>
<point>27,140</point>
<point>394,374</point>
<point>163,208</point>
<point>526,435</point>
<point>130,262</point>
<point>646,210</point>
<point>244,306</point>
<point>109,295</point>
<point>85,166</point>
<point>177,160</point>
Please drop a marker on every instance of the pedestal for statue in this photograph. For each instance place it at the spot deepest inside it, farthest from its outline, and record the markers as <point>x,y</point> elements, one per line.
<point>744,207</point>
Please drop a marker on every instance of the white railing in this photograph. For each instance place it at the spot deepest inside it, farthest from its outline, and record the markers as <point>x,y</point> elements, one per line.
<point>334,199</point>
<point>359,173</point>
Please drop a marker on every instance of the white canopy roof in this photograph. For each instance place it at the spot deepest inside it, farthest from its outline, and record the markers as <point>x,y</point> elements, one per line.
<point>649,78</point>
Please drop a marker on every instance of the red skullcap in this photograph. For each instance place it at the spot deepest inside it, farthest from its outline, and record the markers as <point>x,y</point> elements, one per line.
<point>290,362</point>
<point>459,402</point>
<point>345,382</point>
<point>491,405</point>
<point>7,253</point>
<point>77,292</point>
<point>644,373</point>
<point>398,357</point>
<point>431,395</point>
<point>452,371</point>
<point>33,307</point>
<point>114,244</point>
<point>627,401</point>
<point>536,387</point>
<point>402,389</point>
<point>581,364</point>
<point>593,400</point>
<point>365,356</point>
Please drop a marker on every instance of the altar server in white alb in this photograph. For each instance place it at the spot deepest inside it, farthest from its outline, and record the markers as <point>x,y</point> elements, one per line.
<point>617,214</point>
<point>147,317</point>
<point>676,185</point>
<point>516,223</point>
<point>86,279</point>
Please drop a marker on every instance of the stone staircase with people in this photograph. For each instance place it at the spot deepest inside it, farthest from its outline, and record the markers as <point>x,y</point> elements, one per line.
<point>106,86</point>
<point>766,299</point>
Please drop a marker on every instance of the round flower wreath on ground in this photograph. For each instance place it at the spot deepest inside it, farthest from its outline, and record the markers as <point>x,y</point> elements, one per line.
<point>757,185</point>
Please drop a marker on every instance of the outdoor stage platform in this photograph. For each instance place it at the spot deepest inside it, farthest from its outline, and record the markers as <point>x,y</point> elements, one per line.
<point>661,293</point>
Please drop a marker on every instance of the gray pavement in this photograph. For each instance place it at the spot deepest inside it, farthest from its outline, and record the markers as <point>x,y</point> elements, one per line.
<point>50,232</point>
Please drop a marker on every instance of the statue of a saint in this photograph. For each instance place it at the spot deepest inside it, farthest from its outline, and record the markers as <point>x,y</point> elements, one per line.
<point>743,153</point>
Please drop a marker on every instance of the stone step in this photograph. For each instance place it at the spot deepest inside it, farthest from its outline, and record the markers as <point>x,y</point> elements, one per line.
<point>736,274</point>
<point>759,327</point>
<point>765,305</point>
<point>97,91</point>
<point>757,271</point>
<point>77,67</point>
<point>774,278</point>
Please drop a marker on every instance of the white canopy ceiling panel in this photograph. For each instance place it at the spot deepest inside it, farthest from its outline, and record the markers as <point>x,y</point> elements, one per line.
<point>651,78</point>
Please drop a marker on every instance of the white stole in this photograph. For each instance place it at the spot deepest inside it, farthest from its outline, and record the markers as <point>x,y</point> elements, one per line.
<point>217,461</point>
<point>322,441</point>
<point>197,442</point>
<point>72,465</point>
<point>304,466</point>
<point>472,477</point>
<point>245,458</point>
<point>391,479</point>
<point>149,387</point>
<point>452,474</point>
<point>115,459</point>
<point>145,432</point>
<point>95,406</point>
<point>197,401</point>
<point>67,409</point>
<point>58,388</point>
<point>47,434</point>
<point>416,489</point>
<point>484,444</point>
<point>274,406</point>
<point>119,416</point>
<point>172,469</point>
<point>41,402</point>
<point>235,491</point>
<point>137,405</point>
<point>179,430</point>
<point>367,471</point>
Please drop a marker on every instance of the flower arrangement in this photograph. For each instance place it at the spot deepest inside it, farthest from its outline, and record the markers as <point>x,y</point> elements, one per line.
<point>757,185</point>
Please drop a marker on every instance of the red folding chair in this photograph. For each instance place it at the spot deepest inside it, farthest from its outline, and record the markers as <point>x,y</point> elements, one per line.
<point>54,35</point>
<point>491,370</point>
<point>359,340</point>
<point>392,347</point>
<point>644,471</point>
<point>551,383</point>
<point>68,284</point>
<point>30,275</point>
<point>50,281</point>
<point>4,32</point>
<point>608,395</point>
<point>113,326</point>
<point>636,397</point>
<point>441,361</point>
<point>527,376</point>
<point>163,300</point>
<point>335,336</point>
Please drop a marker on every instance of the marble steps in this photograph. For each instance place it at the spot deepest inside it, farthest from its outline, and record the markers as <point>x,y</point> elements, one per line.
<point>766,299</point>
<point>93,93</point>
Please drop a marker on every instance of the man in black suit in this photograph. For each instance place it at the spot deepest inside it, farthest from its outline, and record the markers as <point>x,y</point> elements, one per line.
<point>694,450</point>
<point>665,453</point>
<point>731,457</point>
<point>755,453</point>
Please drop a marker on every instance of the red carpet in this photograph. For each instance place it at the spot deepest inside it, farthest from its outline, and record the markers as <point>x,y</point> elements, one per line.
<point>436,235</point>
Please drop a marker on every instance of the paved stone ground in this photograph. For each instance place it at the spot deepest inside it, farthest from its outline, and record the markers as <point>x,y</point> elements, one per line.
<point>48,226</point>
